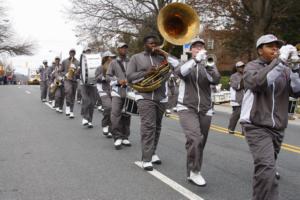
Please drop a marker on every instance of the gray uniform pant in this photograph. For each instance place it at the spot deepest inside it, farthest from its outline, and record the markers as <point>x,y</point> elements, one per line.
<point>98,102</point>
<point>234,118</point>
<point>44,89</point>
<point>59,97</point>
<point>264,144</point>
<point>173,96</point>
<point>79,95</point>
<point>88,101</point>
<point>106,105</point>
<point>151,114</point>
<point>116,115</point>
<point>195,126</point>
<point>70,91</point>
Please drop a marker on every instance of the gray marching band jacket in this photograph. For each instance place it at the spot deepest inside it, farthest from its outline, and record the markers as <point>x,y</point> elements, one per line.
<point>268,87</point>
<point>236,89</point>
<point>66,64</point>
<point>194,87</point>
<point>116,73</point>
<point>44,73</point>
<point>136,71</point>
<point>103,85</point>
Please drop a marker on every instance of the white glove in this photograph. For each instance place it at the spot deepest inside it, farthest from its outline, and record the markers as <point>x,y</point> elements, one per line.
<point>201,55</point>
<point>286,51</point>
<point>73,66</point>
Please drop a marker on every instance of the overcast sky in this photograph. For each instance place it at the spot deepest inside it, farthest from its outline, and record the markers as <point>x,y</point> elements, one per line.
<point>45,22</point>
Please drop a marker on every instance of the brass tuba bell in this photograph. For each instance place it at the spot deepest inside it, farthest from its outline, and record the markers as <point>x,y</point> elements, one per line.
<point>178,23</point>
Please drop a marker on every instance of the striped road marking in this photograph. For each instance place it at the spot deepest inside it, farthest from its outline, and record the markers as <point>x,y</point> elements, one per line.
<point>182,190</point>
<point>220,129</point>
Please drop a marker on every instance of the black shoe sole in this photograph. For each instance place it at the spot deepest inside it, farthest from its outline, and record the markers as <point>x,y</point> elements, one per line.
<point>158,162</point>
<point>105,133</point>
<point>148,168</point>
<point>90,126</point>
<point>85,124</point>
<point>126,145</point>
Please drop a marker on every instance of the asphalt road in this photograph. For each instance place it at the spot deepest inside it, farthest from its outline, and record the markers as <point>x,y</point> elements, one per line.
<point>47,156</point>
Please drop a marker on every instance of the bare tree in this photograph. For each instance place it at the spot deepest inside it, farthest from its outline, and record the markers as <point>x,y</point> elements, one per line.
<point>246,19</point>
<point>8,41</point>
<point>116,19</point>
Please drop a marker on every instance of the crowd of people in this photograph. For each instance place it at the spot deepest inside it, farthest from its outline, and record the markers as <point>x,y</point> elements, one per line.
<point>260,91</point>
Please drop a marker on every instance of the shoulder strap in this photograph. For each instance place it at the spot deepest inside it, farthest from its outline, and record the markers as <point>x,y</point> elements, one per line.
<point>121,65</point>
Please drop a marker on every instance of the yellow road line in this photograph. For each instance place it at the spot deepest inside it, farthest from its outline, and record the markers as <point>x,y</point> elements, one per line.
<point>221,129</point>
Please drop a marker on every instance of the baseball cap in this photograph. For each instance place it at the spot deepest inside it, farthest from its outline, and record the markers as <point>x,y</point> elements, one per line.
<point>195,40</point>
<point>239,64</point>
<point>108,54</point>
<point>45,61</point>
<point>122,44</point>
<point>265,39</point>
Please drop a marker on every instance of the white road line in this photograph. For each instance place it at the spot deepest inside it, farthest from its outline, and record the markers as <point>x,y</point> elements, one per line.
<point>182,190</point>
<point>48,104</point>
<point>28,92</point>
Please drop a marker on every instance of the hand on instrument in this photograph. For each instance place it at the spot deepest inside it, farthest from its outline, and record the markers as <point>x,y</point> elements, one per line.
<point>73,66</point>
<point>286,51</point>
<point>122,82</point>
<point>160,52</point>
<point>201,55</point>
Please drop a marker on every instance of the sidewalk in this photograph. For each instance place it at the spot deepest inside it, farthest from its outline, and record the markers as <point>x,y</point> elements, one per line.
<point>227,109</point>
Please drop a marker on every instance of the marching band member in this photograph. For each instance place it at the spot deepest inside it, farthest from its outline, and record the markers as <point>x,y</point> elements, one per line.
<point>195,106</point>
<point>268,82</point>
<point>58,83</point>
<point>236,95</point>
<point>50,94</point>
<point>70,69</point>
<point>43,71</point>
<point>88,94</point>
<point>116,73</point>
<point>103,88</point>
<point>151,106</point>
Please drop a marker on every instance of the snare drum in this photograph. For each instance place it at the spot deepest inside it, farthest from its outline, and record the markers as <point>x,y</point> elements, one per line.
<point>130,103</point>
<point>89,64</point>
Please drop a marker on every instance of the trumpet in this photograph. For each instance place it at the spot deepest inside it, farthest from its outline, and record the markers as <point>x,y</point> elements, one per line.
<point>211,60</point>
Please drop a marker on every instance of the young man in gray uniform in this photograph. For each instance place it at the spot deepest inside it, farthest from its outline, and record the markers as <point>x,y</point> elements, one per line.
<point>43,71</point>
<point>151,106</point>
<point>70,70</point>
<point>104,91</point>
<point>236,95</point>
<point>268,82</point>
<point>116,73</point>
<point>88,96</point>
<point>50,94</point>
<point>59,93</point>
<point>195,106</point>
